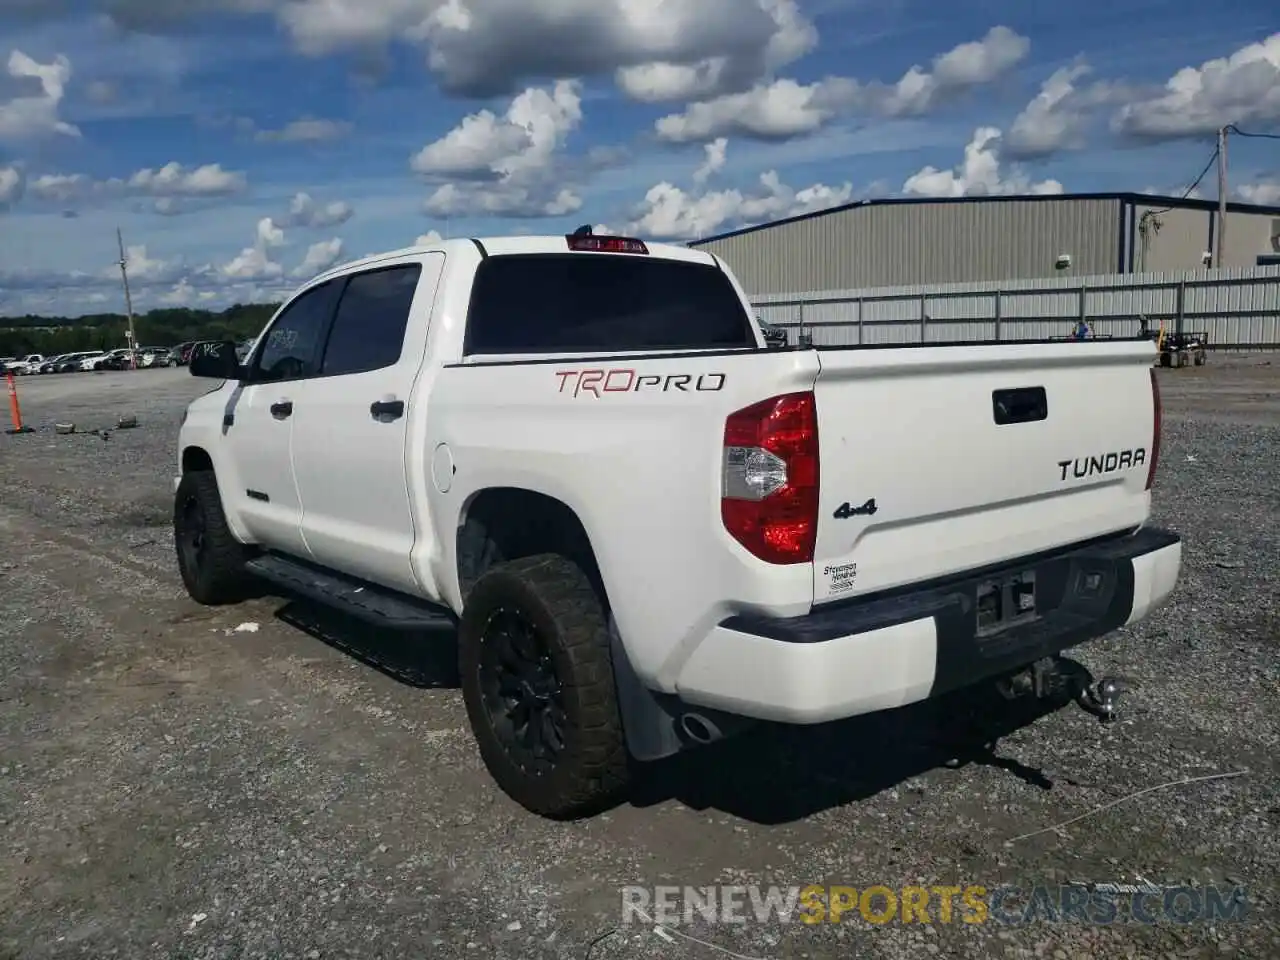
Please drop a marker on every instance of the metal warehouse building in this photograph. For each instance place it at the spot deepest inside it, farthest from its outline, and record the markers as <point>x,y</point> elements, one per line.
<point>896,242</point>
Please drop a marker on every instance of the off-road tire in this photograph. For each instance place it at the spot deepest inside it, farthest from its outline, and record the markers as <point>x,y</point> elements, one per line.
<point>558,600</point>
<point>219,576</point>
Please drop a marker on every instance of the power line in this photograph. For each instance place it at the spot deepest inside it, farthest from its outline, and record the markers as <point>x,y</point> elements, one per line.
<point>1232,128</point>
<point>1192,189</point>
<point>1207,167</point>
<point>1150,218</point>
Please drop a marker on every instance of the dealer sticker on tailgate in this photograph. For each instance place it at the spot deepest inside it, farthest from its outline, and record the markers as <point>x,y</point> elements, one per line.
<point>840,577</point>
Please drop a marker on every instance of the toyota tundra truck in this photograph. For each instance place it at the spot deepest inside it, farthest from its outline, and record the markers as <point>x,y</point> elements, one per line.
<point>643,526</point>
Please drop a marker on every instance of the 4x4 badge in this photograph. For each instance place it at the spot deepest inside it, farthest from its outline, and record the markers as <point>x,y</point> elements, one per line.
<point>847,510</point>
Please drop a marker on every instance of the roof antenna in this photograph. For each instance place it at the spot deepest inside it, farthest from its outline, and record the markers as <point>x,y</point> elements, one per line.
<point>582,231</point>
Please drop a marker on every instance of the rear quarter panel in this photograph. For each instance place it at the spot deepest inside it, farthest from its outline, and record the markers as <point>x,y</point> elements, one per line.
<point>638,459</point>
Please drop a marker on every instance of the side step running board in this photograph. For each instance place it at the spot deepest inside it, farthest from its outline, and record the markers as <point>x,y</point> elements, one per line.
<point>370,604</point>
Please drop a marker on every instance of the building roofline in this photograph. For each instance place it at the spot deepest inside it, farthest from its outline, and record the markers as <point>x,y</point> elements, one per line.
<point>1143,199</point>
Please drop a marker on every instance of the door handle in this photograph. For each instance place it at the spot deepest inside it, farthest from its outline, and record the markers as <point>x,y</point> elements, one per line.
<point>387,410</point>
<point>282,409</point>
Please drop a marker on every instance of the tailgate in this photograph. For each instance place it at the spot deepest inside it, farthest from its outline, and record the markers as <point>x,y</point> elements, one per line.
<point>938,460</point>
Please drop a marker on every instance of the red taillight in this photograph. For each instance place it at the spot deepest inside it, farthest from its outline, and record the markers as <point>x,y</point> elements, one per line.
<point>1158,414</point>
<point>606,244</point>
<point>769,481</point>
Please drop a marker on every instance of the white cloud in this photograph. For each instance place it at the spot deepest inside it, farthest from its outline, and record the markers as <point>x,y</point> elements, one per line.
<point>269,233</point>
<point>968,65</point>
<point>716,152</point>
<point>174,180</point>
<point>487,146</point>
<point>254,275</point>
<point>1056,119</point>
<point>319,257</point>
<point>306,130</point>
<point>306,212</point>
<point>254,263</point>
<point>777,110</point>
<point>12,186</point>
<point>505,166</point>
<point>1243,88</point>
<point>143,268</point>
<point>665,80</point>
<point>489,47</point>
<point>979,174</point>
<point>1264,192</point>
<point>59,188</point>
<point>669,212</point>
<point>165,187</point>
<point>430,238</point>
<point>185,294</point>
<point>36,115</point>
<point>783,108</point>
<point>182,294</point>
<point>1185,191</point>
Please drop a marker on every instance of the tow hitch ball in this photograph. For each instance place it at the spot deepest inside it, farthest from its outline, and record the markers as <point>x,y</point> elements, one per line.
<point>1052,675</point>
<point>1100,698</point>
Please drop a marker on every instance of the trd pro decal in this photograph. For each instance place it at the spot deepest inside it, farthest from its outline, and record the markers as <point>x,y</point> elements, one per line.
<point>597,383</point>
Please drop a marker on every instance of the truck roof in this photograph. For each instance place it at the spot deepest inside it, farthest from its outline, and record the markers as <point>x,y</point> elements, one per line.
<point>551,243</point>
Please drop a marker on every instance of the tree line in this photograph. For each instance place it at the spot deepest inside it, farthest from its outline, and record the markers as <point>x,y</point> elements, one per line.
<point>106,331</point>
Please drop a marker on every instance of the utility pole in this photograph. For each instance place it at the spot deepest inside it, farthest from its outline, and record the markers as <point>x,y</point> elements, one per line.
<point>1221,233</point>
<point>128,302</point>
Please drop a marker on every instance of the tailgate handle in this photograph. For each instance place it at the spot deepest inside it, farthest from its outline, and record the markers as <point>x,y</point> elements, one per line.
<point>1020,405</point>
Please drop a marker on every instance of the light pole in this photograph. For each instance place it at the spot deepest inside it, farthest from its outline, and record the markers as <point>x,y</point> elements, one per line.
<point>128,302</point>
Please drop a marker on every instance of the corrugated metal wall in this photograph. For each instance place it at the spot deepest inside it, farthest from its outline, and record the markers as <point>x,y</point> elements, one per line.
<point>1237,308</point>
<point>1185,235</point>
<point>889,244</point>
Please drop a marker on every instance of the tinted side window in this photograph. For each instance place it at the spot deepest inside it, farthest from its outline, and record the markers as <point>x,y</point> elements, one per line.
<point>551,303</point>
<point>292,348</point>
<point>368,331</point>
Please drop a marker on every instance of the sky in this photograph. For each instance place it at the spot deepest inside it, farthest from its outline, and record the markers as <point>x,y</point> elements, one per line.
<point>242,146</point>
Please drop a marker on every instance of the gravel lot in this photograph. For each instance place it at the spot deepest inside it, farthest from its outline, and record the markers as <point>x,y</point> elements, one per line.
<point>172,787</point>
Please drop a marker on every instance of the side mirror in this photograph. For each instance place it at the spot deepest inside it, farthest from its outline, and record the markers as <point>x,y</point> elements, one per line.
<point>215,359</point>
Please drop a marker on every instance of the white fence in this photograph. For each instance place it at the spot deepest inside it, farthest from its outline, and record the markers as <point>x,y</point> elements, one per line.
<point>1238,309</point>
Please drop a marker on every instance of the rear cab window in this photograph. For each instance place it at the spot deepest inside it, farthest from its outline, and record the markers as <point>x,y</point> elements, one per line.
<point>546,303</point>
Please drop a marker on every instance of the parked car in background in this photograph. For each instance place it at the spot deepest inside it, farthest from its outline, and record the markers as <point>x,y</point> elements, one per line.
<point>181,354</point>
<point>155,357</point>
<point>92,361</point>
<point>25,365</point>
<point>64,362</point>
<point>774,337</point>
<point>118,359</point>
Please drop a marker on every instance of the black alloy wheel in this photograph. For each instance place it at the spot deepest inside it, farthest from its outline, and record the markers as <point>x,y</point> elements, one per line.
<point>191,534</point>
<point>523,696</point>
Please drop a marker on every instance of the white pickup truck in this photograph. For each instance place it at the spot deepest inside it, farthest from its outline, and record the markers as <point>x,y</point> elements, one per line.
<point>27,365</point>
<point>577,458</point>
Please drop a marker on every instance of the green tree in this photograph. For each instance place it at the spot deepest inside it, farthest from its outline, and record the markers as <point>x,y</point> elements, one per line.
<point>106,331</point>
